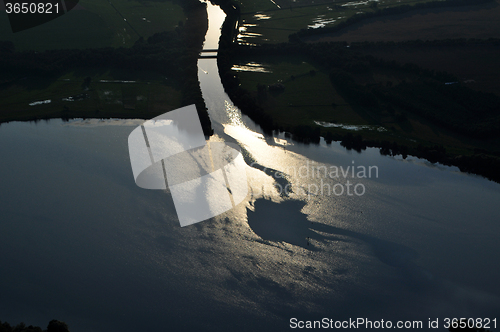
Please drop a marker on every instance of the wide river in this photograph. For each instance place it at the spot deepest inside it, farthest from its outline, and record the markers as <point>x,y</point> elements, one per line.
<point>80,242</point>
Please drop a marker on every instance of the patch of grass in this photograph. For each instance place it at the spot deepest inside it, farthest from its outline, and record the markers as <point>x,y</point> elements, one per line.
<point>97,23</point>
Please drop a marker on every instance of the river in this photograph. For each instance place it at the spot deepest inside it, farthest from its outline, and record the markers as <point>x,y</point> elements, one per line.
<point>80,242</point>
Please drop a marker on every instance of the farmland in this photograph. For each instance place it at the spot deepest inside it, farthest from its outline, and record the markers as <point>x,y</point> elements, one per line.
<point>265,22</point>
<point>480,21</point>
<point>475,63</point>
<point>89,92</point>
<point>95,23</point>
<point>131,68</point>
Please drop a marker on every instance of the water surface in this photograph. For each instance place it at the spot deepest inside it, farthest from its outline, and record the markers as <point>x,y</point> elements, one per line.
<point>80,242</point>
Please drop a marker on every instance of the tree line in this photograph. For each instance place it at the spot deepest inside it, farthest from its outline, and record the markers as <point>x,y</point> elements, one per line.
<point>53,326</point>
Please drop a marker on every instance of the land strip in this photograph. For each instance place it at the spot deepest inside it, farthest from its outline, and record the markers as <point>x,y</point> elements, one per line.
<point>373,94</point>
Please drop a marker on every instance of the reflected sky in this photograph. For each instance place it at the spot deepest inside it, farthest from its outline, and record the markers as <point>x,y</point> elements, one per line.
<point>411,229</point>
<point>215,19</point>
<point>407,248</point>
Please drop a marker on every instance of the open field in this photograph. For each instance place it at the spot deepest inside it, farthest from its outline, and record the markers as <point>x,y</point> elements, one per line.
<point>96,23</point>
<point>110,94</point>
<point>263,22</point>
<point>481,21</point>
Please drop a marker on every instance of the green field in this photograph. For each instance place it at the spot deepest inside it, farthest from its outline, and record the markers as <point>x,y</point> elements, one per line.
<point>143,95</point>
<point>96,23</point>
<point>263,22</point>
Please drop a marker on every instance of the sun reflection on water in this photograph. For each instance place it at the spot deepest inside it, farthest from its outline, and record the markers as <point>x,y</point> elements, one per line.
<point>252,67</point>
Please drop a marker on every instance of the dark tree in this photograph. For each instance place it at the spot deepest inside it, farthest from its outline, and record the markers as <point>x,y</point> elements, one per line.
<point>57,326</point>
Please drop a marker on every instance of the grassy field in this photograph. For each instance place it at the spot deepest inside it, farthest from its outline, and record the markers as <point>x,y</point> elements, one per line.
<point>143,95</point>
<point>481,21</point>
<point>97,23</point>
<point>263,22</point>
